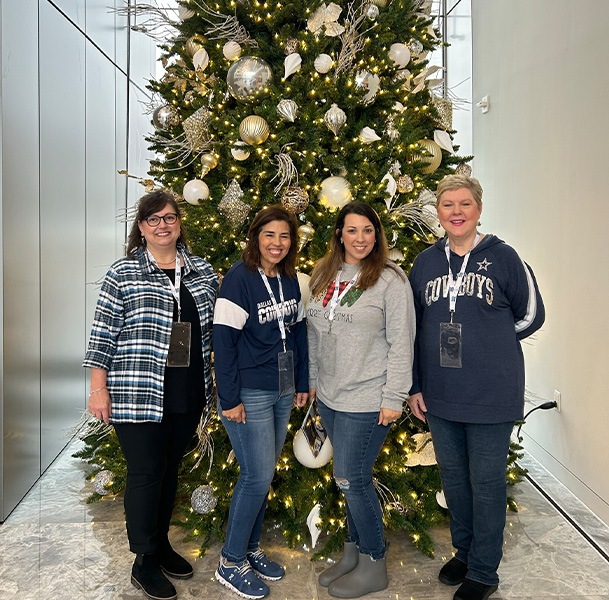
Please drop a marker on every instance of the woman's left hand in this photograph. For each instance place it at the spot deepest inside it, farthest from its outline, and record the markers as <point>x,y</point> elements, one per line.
<point>300,398</point>
<point>388,416</point>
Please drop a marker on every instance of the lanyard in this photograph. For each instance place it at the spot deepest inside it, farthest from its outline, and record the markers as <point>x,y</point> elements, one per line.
<point>278,310</point>
<point>455,284</point>
<point>336,297</point>
<point>173,287</point>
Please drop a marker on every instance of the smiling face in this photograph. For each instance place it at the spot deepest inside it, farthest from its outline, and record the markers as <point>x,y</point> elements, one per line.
<point>161,237</point>
<point>273,243</point>
<point>459,213</point>
<point>358,238</point>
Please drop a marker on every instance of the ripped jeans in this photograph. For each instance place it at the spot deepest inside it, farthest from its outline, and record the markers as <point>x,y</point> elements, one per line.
<point>357,439</point>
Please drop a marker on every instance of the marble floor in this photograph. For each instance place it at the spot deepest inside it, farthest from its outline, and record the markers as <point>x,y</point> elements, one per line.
<point>55,546</point>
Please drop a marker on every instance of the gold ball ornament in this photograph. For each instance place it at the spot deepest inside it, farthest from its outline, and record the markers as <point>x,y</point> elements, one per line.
<point>193,44</point>
<point>433,155</point>
<point>404,184</point>
<point>254,130</point>
<point>295,199</point>
<point>305,234</point>
<point>208,162</point>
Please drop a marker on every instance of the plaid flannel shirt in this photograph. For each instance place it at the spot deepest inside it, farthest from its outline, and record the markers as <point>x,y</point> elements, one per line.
<point>132,327</point>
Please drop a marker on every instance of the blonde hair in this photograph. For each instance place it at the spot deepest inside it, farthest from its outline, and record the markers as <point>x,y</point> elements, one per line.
<point>457,182</point>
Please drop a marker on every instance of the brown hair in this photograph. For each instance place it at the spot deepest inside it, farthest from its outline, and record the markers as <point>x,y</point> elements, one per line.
<point>251,253</point>
<point>371,267</point>
<point>147,205</point>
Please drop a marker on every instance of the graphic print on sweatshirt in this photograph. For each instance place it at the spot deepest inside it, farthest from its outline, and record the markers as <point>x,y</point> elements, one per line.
<point>266,311</point>
<point>349,299</point>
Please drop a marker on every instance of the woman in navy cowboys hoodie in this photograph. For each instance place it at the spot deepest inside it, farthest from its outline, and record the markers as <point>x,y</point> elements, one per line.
<point>475,299</point>
<point>261,365</point>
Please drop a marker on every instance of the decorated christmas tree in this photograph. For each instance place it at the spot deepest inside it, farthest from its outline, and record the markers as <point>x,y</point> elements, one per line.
<point>309,105</point>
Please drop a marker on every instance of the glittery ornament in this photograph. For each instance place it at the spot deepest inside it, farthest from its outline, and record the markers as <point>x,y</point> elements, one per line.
<point>165,117</point>
<point>372,12</point>
<point>287,109</point>
<point>305,234</point>
<point>445,113</point>
<point>231,205</point>
<point>102,482</point>
<point>404,184</point>
<point>195,128</point>
<point>290,46</point>
<point>203,499</point>
<point>463,169</point>
<point>295,199</point>
<point>248,78</point>
<point>432,156</point>
<point>254,130</point>
<point>415,47</point>
<point>335,118</point>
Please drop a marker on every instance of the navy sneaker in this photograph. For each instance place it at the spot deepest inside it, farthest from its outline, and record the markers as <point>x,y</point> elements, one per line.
<point>241,579</point>
<point>264,566</point>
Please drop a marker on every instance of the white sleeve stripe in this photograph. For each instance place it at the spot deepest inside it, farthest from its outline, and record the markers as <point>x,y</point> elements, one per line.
<point>230,314</point>
<point>529,316</point>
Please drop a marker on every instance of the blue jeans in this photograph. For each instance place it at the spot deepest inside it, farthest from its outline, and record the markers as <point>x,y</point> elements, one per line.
<point>357,439</point>
<point>472,458</point>
<point>257,444</point>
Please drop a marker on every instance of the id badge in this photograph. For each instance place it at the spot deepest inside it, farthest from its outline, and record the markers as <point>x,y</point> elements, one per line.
<point>313,429</point>
<point>285,364</point>
<point>450,345</point>
<point>328,353</point>
<point>179,345</point>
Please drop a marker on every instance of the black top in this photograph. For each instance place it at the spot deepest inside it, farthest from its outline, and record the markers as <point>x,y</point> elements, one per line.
<point>185,386</point>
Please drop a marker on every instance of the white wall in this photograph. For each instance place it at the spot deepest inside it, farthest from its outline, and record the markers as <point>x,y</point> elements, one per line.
<point>540,154</point>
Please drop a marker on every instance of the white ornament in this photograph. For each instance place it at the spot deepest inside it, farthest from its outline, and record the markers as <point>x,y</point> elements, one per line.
<point>185,13</point>
<point>399,107</point>
<point>323,63</point>
<point>335,192</point>
<point>313,521</point>
<point>441,499</point>
<point>368,135</point>
<point>424,454</point>
<point>429,215</point>
<point>195,190</point>
<point>240,151</point>
<point>372,12</point>
<point>368,81</point>
<point>304,454</point>
<point>335,118</point>
<point>287,109</point>
<point>231,50</point>
<point>303,283</point>
<point>291,64</point>
<point>391,187</point>
<point>443,140</point>
<point>200,60</point>
<point>396,255</point>
<point>400,55</point>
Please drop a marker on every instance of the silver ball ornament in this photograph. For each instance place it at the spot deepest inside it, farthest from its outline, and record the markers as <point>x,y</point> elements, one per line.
<point>102,481</point>
<point>335,118</point>
<point>248,78</point>
<point>165,117</point>
<point>372,12</point>
<point>203,499</point>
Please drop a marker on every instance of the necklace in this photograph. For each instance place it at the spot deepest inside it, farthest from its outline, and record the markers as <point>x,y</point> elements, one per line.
<point>173,262</point>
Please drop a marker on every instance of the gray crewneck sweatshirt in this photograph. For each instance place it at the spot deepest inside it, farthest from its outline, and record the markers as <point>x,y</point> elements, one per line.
<point>365,362</point>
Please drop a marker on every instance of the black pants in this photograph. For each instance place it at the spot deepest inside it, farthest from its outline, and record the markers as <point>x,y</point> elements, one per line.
<point>153,452</point>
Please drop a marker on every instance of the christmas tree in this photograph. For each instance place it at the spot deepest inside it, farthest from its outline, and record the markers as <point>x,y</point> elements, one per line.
<point>309,105</point>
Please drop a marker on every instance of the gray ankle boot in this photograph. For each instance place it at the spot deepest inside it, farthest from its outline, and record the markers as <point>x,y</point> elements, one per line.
<point>347,563</point>
<point>369,576</point>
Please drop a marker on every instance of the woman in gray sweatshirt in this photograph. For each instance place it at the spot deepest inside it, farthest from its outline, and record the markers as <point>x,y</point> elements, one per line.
<point>361,329</point>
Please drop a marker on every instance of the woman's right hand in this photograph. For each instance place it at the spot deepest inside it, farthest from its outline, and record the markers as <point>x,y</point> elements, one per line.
<point>99,404</point>
<point>417,406</point>
<point>236,414</point>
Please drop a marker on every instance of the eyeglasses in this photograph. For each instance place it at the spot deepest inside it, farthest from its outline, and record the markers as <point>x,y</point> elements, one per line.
<point>154,220</point>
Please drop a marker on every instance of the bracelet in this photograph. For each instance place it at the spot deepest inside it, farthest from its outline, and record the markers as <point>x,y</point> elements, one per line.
<point>97,390</point>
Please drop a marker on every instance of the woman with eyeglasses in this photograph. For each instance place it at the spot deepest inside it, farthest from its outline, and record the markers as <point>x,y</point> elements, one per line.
<point>149,355</point>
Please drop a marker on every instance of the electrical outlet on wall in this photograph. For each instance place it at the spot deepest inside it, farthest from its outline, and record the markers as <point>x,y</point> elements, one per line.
<point>557,399</point>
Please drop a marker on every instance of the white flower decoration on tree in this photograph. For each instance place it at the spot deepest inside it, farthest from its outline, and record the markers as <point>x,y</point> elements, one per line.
<point>326,18</point>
